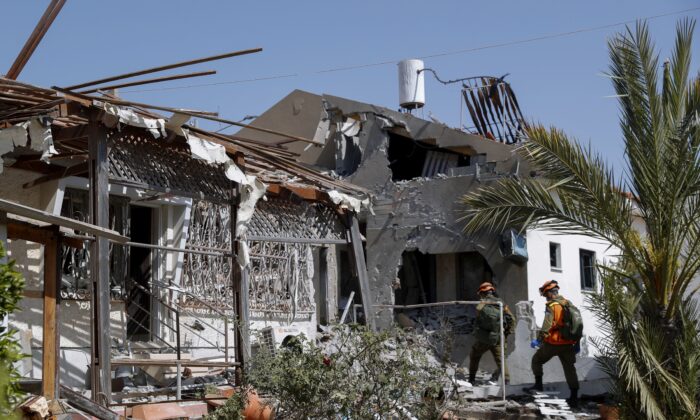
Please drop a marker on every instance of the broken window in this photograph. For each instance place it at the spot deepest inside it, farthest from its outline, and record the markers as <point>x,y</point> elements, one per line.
<point>417,279</point>
<point>410,159</point>
<point>588,274</point>
<point>75,266</point>
<point>555,256</point>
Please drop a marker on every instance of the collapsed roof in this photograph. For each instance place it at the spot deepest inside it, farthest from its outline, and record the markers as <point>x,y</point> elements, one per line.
<point>46,131</point>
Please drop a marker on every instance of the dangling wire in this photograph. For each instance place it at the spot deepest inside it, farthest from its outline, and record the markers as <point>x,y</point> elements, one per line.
<point>464,79</point>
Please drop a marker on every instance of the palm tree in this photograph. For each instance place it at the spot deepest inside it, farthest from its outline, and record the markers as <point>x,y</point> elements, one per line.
<point>651,347</point>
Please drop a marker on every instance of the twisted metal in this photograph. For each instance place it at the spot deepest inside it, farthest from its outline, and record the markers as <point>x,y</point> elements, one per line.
<point>281,280</point>
<point>207,276</point>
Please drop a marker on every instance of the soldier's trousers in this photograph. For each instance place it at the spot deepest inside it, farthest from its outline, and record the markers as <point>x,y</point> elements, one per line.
<point>567,356</point>
<point>478,350</point>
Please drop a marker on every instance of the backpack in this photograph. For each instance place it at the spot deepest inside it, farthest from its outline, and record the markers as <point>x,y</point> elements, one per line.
<point>488,318</point>
<point>572,328</point>
<point>487,328</point>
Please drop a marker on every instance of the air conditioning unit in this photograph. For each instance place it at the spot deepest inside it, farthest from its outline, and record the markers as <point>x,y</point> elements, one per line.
<point>273,337</point>
<point>514,246</point>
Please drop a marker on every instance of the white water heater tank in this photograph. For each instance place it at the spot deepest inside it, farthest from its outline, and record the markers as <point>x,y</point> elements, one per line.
<point>411,84</point>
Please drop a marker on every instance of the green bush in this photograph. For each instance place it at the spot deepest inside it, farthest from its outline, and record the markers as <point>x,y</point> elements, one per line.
<point>11,285</point>
<point>360,375</point>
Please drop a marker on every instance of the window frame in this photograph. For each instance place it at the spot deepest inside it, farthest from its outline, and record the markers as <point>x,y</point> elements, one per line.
<point>558,267</point>
<point>594,277</point>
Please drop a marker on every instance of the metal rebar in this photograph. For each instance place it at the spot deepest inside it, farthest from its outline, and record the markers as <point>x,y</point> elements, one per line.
<point>177,336</point>
<point>166,67</point>
<point>174,249</point>
<point>178,391</point>
<point>225,339</point>
<point>153,80</point>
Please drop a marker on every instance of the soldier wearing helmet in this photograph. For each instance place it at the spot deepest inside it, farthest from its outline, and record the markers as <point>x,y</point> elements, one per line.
<point>550,342</point>
<point>488,332</point>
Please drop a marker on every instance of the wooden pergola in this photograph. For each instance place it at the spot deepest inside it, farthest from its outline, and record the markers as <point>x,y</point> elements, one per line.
<point>45,228</point>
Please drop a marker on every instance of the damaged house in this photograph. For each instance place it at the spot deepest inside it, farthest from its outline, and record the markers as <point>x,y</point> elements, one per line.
<point>172,249</point>
<point>150,245</point>
<point>416,170</point>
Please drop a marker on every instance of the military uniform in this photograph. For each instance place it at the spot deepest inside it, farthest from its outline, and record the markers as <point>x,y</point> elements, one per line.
<point>554,345</point>
<point>488,341</point>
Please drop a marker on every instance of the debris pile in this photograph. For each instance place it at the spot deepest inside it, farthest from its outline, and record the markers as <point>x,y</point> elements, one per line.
<point>459,319</point>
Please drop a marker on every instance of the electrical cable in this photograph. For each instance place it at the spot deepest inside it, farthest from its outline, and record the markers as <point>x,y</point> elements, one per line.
<point>441,54</point>
<point>449,82</point>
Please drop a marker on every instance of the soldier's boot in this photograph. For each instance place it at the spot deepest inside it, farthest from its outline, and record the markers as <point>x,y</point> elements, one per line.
<point>537,387</point>
<point>573,398</point>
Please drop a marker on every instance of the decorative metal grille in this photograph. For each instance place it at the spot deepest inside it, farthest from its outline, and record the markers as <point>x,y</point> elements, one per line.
<point>208,276</point>
<point>75,262</point>
<point>281,274</point>
<point>294,218</point>
<point>167,167</point>
<point>281,280</point>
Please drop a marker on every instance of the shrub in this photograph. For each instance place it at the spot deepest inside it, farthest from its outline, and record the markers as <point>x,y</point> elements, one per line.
<point>11,285</point>
<point>360,374</point>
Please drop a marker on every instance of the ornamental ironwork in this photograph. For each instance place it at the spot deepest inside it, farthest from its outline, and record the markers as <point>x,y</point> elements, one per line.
<point>208,277</point>
<point>281,280</point>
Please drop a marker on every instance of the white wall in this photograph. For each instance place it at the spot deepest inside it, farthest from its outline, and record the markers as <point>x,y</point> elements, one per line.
<point>569,277</point>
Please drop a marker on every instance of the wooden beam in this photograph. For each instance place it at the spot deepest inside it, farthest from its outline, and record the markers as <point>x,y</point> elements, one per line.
<point>33,41</point>
<point>361,267</point>
<point>50,342</point>
<point>239,277</point>
<point>84,98</point>
<point>27,232</point>
<point>78,169</point>
<point>99,256</point>
<point>153,80</point>
<point>306,193</point>
<point>166,67</point>
<point>78,401</point>
<point>22,230</point>
<point>32,294</point>
<point>46,217</point>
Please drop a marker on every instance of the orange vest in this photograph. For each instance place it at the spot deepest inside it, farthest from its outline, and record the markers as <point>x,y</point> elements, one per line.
<point>554,336</point>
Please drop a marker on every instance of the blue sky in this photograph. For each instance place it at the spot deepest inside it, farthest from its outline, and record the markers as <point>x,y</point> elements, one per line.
<point>557,80</point>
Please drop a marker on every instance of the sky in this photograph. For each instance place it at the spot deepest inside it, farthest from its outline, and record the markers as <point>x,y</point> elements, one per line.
<point>335,48</point>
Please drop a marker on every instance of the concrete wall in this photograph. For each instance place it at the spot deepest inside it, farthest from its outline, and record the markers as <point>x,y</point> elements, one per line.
<point>420,214</point>
<point>569,276</point>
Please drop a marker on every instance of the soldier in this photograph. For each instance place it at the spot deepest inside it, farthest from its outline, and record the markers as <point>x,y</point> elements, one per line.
<point>488,331</point>
<point>551,342</point>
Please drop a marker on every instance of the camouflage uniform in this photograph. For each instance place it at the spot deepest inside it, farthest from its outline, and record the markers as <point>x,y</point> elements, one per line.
<point>488,341</point>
